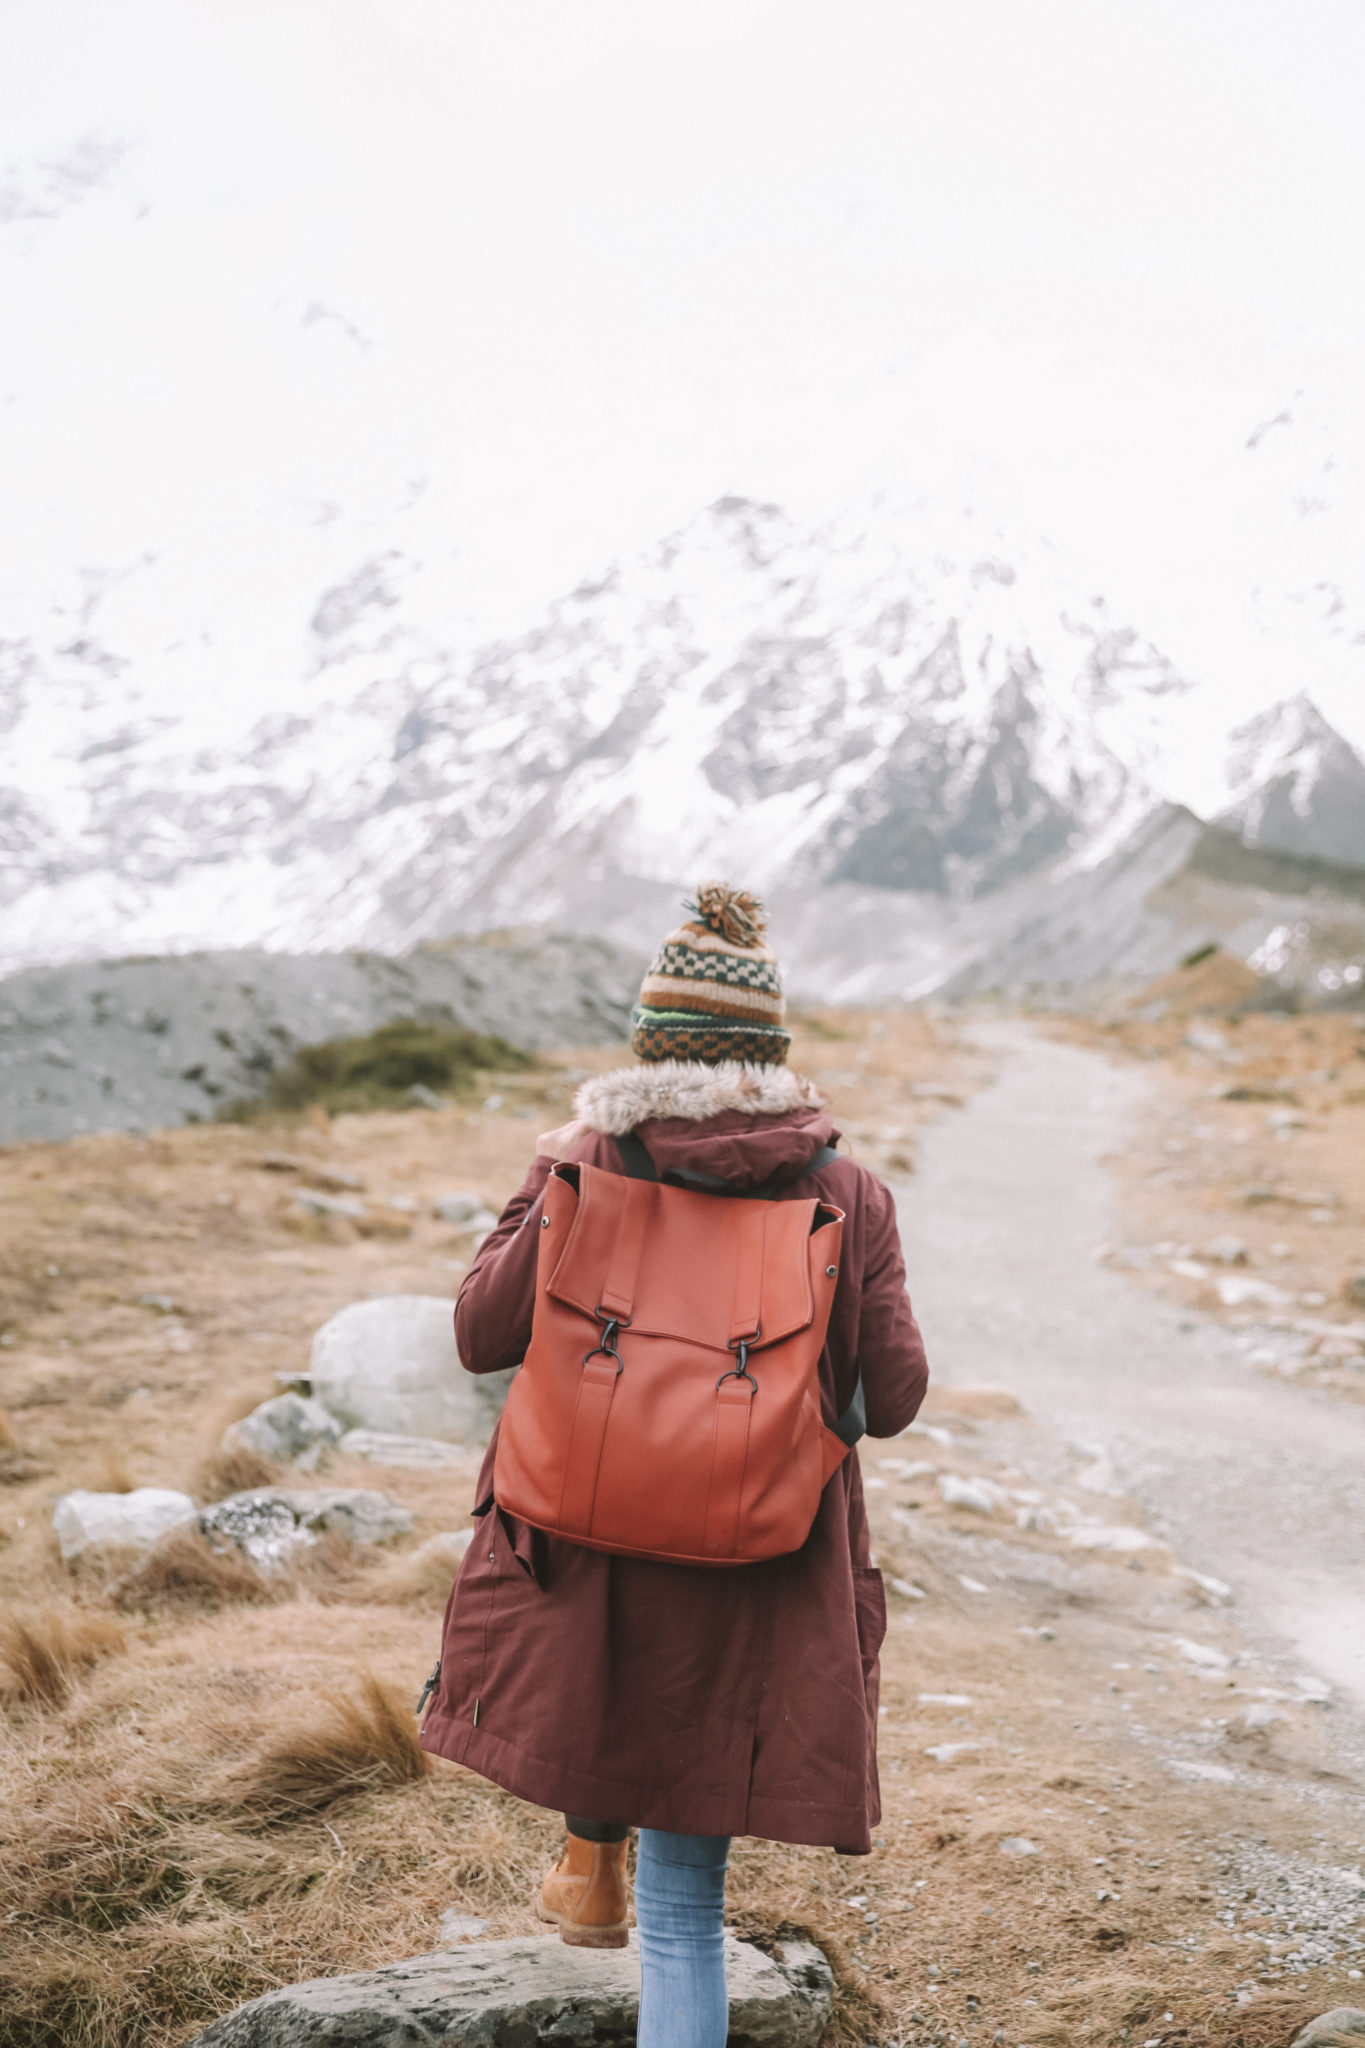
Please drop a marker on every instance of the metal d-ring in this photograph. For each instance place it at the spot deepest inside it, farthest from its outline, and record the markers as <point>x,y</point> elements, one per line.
<point>741,1370</point>
<point>611,1326</point>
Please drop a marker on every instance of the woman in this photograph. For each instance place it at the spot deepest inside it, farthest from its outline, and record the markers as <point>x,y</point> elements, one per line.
<point>694,1704</point>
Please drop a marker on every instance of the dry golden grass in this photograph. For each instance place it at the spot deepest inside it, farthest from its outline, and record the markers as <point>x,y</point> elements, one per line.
<point>186,1571</point>
<point>223,1808</point>
<point>233,1468</point>
<point>343,1746</point>
<point>43,1653</point>
<point>1260,1139</point>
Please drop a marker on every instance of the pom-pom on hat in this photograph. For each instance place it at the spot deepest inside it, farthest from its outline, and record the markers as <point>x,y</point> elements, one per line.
<point>713,991</point>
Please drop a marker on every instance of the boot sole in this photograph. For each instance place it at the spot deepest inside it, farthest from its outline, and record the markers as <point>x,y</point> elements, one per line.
<point>617,1936</point>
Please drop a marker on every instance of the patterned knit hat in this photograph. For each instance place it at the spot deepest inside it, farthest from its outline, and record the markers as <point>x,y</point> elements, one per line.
<point>713,991</point>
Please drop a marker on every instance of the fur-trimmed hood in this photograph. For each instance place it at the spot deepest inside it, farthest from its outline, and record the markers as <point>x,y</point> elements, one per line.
<point>690,1091</point>
<point>741,1123</point>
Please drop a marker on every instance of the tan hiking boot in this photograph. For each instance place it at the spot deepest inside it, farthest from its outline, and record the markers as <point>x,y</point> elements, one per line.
<point>584,1896</point>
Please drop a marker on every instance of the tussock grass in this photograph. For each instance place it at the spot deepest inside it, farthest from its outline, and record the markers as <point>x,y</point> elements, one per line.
<point>380,1069</point>
<point>233,1468</point>
<point>420,1578</point>
<point>349,1745</point>
<point>44,1653</point>
<point>184,1570</point>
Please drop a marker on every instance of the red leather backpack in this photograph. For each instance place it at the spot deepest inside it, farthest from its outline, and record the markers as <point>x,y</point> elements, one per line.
<point>669,1402</point>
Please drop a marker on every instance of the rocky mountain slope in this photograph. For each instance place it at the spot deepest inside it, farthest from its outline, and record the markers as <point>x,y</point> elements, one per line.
<point>136,1044</point>
<point>920,742</point>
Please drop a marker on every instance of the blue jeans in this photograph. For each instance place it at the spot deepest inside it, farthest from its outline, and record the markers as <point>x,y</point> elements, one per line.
<point>679,1904</point>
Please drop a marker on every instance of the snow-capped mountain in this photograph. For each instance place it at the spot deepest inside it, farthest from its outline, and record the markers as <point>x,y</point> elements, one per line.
<point>1297,786</point>
<point>847,705</point>
<point>892,706</point>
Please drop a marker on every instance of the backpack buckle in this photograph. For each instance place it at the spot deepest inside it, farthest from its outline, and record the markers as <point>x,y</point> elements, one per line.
<point>740,1370</point>
<point>606,1348</point>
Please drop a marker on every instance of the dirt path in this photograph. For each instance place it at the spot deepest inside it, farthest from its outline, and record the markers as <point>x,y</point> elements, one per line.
<point>1258,1483</point>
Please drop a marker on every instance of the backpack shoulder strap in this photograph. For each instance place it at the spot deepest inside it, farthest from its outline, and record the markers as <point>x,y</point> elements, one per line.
<point>635,1157</point>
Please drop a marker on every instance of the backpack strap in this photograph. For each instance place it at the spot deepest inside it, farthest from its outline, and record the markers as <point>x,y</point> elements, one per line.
<point>638,1165</point>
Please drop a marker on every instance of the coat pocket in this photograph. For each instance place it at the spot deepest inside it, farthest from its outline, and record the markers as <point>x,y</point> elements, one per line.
<point>869,1604</point>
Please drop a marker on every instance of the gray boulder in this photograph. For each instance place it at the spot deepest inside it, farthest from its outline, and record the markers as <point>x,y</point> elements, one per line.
<point>383,1449</point>
<point>511,1994</point>
<point>290,1427</point>
<point>118,1521</point>
<point>391,1365</point>
<point>1346,2023</point>
<point>273,1523</point>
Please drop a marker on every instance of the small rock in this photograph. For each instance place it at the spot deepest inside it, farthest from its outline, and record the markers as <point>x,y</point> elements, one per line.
<point>1354,1290</point>
<point>1227,1251</point>
<point>977,1494</point>
<point>1202,1654</point>
<point>426,1098</point>
<point>133,1521</point>
<point>381,1448</point>
<point>281,1162</point>
<point>164,1304</point>
<point>1234,1291</point>
<point>391,1365</point>
<point>945,1699</point>
<point>289,1428</point>
<point>1257,1718</point>
<point>317,1203</point>
<point>458,1208</point>
<point>522,1992</point>
<point>948,1752</point>
<point>1211,1774</point>
<point>272,1523</point>
<point>1323,2031</point>
<point>907,1590</point>
<point>461,1926</point>
<point>1118,1537</point>
<point>1018,1845</point>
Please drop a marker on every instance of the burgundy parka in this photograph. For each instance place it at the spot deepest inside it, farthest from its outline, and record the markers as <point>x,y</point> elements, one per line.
<point>727,1701</point>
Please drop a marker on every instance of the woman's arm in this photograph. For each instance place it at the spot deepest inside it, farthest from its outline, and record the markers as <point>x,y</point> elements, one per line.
<point>891,1357</point>
<point>498,1293</point>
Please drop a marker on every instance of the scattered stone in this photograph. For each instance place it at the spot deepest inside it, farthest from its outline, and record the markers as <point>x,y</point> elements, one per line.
<point>1354,1290</point>
<point>907,1590</point>
<point>1227,1251</point>
<point>1202,1654</point>
<point>978,1494</point>
<point>391,1365</point>
<point>281,1162</point>
<point>1234,1291</point>
<point>461,1926</point>
<point>1210,1774</point>
<point>1189,1269</point>
<point>1324,2031</point>
<point>457,1208</point>
<point>272,1523</point>
<point>972,1585</point>
<point>164,1304</point>
<point>945,1699</point>
<point>1260,1717</point>
<point>427,1098</point>
<point>1117,1537</point>
<point>1218,1591</point>
<point>290,1428</point>
<point>520,1992</point>
<point>382,1448</point>
<point>316,1203</point>
<point>1018,1845</point>
<point>948,1752</point>
<point>126,1521</point>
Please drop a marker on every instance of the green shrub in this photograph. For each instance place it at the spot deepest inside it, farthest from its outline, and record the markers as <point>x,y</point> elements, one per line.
<point>380,1070</point>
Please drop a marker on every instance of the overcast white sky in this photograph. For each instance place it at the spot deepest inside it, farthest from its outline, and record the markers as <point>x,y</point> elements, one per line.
<point>514,285</point>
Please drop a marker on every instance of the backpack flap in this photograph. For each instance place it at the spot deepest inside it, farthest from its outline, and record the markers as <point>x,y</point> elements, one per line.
<point>671,1262</point>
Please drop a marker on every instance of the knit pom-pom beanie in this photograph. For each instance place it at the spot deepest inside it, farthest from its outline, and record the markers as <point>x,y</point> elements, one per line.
<point>713,991</point>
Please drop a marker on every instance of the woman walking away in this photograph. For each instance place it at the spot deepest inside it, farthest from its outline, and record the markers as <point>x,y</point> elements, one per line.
<point>698,1658</point>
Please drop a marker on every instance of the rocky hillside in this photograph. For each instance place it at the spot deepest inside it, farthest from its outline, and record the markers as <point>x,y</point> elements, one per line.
<point>921,742</point>
<point>135,1044</point>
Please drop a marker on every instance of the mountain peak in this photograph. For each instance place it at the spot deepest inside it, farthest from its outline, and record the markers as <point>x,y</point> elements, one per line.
<point>1297,785</point>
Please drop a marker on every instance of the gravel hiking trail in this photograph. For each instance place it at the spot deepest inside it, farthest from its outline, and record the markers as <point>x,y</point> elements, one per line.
<point>1250,1480</point>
